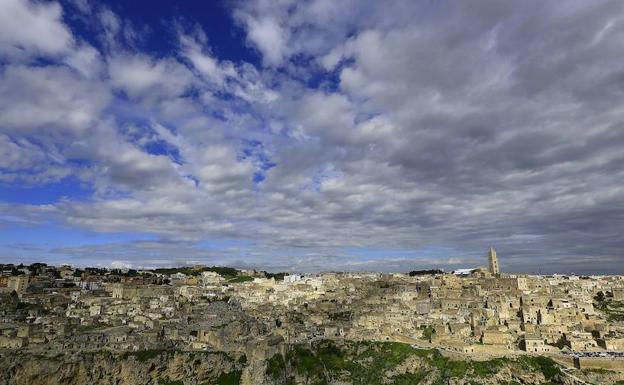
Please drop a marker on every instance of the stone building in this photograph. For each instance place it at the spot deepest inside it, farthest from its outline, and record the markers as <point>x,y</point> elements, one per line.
<point>19,283</point>
<point>534,343</point>
<point>493,261</point>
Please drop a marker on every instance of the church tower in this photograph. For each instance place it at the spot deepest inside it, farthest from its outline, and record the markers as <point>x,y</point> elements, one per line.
<point>493,261</point>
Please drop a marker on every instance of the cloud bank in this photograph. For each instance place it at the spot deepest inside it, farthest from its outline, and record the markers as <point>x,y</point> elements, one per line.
<point>366,135</point>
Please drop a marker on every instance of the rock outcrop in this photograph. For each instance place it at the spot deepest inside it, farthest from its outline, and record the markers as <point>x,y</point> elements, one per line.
<point>104,368</point>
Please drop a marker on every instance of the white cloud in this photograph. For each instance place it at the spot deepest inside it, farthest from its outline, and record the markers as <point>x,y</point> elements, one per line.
<point>32,29</point>
<point>269,37</point>
<point>26,163</point>
<point>42,98</point>
<point>121,265</point>
<point>244,81</point>
<point>207,65</point>
<point>111,26</point>
<point>86,60</point>
<point>447,125</point>
<point>141,76</point>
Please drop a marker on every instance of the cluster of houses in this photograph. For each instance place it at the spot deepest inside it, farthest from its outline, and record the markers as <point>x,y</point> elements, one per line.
<point>482,312</point>
<point>46,308</point>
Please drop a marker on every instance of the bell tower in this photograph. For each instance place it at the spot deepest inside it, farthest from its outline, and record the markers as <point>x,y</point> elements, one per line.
<point>493,261</point>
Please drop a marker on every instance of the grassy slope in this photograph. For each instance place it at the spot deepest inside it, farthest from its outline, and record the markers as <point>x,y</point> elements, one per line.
<point>368,363</point>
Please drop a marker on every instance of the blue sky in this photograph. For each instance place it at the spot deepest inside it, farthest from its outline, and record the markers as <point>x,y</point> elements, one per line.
<point>312,135</point>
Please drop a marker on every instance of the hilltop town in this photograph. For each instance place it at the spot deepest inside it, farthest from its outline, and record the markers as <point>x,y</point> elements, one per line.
<point>255,318</point>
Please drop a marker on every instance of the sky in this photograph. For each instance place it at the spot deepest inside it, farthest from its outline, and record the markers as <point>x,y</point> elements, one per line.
<point>313,135</point>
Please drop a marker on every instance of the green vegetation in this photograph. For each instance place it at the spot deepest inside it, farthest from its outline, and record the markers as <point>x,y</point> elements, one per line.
<point>28,306</point>
<point>226,272</point>
<point>365,366</point>
<point>240,279</point>
<point>414,273</point>
<point>276,276</point>
<point>408,378</point>
<point>488,368</point>
<point>597,371</point>
<point>231,378</point>
<point>225,298</point>
<point>46,356</point>
<point>176,382</point>
<point>427,332</point>
<point>545,365</point>
<point>614,310</point>
<point>275,366</point>
<point>129,273</point>
<point>193,353</point>
<point>376,363</point>
<point>175,270</point>
<point>144,355</point>
<point>87,328</point>
<point>340,316</point>
<point>229,273</point>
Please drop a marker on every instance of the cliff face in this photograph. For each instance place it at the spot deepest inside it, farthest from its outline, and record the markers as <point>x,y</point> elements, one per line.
<point>320,363</point>
<point>387,363</point>
<point>103,368</point>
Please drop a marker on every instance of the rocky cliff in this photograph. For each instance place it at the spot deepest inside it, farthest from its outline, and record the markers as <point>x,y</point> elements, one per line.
<point>105,368</point>
<point>377,363</point>
<point>319,363</point>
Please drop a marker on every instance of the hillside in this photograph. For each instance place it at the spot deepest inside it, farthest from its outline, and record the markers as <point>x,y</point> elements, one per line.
<point>321,363</point>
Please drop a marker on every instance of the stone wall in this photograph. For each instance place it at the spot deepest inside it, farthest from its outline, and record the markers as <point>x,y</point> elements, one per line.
<point>615,364</point>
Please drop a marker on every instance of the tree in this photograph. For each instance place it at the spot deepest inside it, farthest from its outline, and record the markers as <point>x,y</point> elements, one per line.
<point>414,273</point>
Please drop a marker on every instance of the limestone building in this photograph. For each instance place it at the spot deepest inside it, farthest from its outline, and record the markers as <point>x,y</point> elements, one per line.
<point>18,283</point>
<point>493,261</point>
